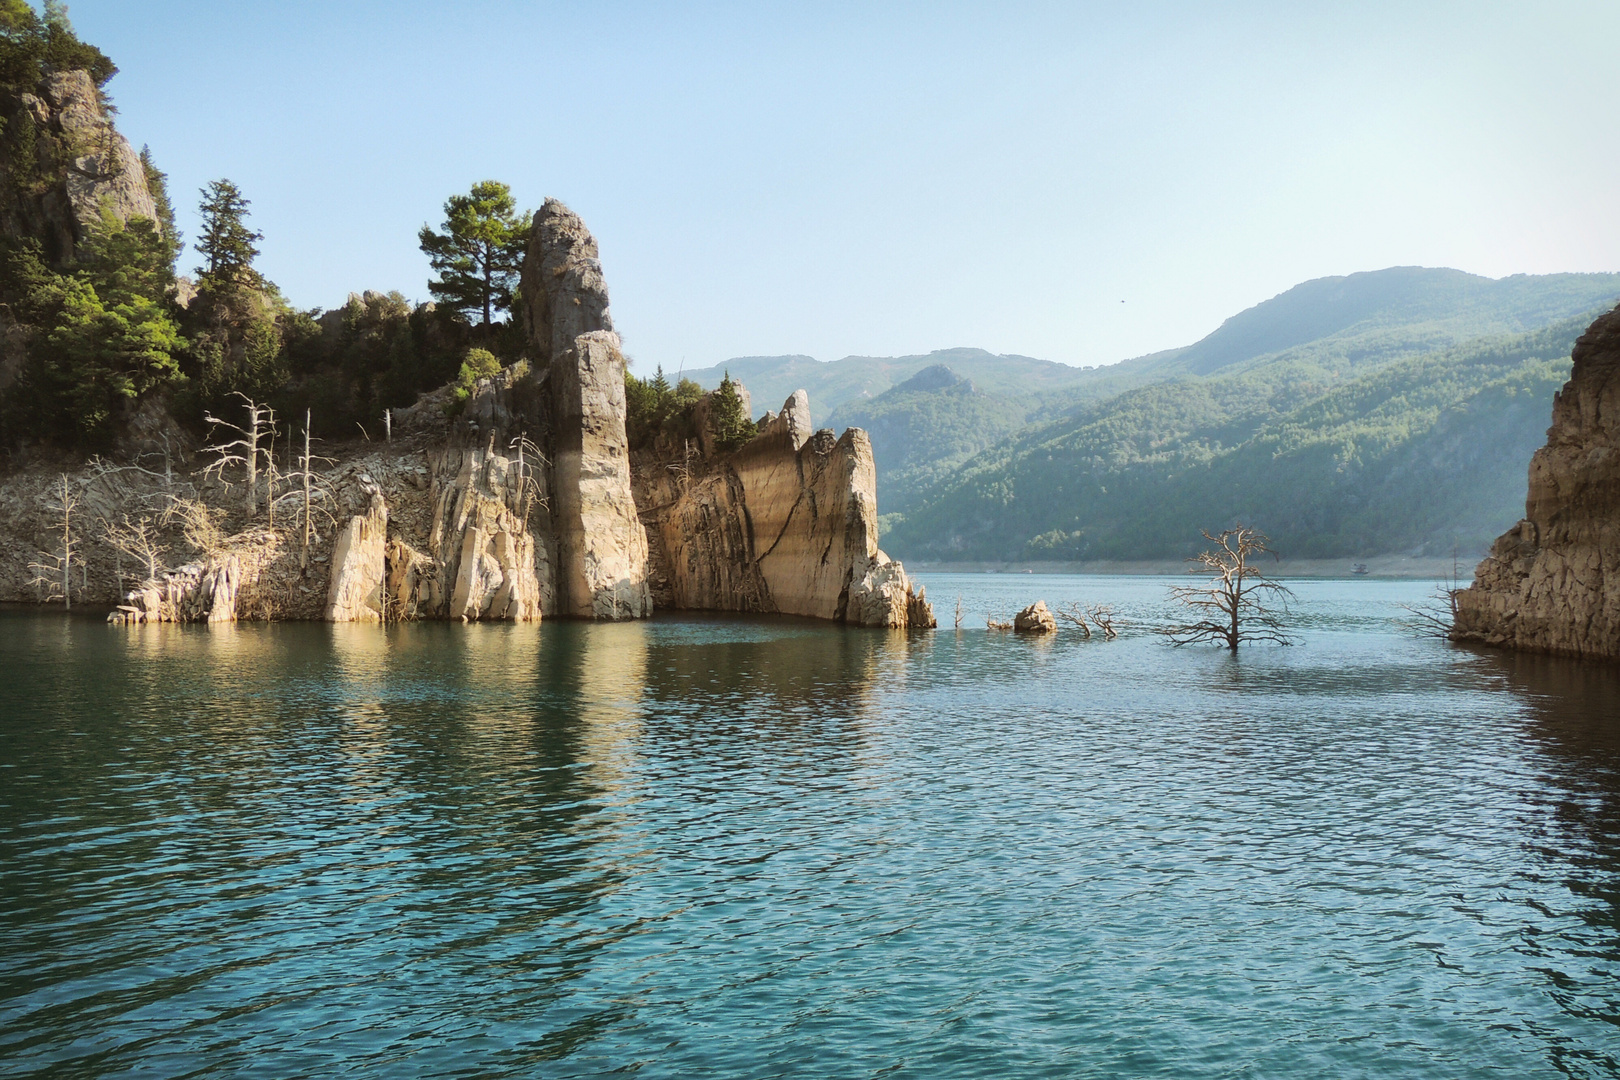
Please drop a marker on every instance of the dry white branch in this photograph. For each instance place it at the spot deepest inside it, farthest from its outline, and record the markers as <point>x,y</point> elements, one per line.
<point>253,442</point>
<point>53,570</point>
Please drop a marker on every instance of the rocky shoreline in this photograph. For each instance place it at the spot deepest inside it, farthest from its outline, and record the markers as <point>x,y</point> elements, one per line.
<point>518,506</point>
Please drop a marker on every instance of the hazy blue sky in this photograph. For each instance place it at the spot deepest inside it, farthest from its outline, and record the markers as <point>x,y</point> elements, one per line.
<point>890,178</point>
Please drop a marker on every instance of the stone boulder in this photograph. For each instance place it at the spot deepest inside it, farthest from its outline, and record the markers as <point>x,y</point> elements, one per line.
<point>1035,619</point>
<point>359,566</point>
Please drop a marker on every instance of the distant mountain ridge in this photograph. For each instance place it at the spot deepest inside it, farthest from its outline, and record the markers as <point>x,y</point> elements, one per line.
<point>1430,379</point>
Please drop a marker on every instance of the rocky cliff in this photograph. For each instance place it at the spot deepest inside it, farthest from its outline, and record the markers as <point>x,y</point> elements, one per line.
<point>66,163</point>
<point>787,524</point>
<point>1552,582</point>
<point>519,501</point>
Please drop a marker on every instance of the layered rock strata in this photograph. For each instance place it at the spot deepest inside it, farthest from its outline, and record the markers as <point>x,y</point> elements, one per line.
<point>1552,582</point>
<point>786,524</point>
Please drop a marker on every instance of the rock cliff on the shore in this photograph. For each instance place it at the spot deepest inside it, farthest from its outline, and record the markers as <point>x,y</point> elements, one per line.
<point>788,523</point>
<point>519,501</point>
<point>1552,582</point>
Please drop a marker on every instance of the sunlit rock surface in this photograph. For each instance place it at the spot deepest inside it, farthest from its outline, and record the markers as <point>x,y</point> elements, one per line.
<point>1552,582</point>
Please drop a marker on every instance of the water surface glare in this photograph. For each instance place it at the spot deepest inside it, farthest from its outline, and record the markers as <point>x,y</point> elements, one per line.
<point>759,848</point>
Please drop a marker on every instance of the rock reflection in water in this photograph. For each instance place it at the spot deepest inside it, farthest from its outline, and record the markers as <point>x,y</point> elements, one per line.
<point>1574,721</point>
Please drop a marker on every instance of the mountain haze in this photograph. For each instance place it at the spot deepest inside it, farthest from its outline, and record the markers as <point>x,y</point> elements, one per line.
<point>1379,412</point>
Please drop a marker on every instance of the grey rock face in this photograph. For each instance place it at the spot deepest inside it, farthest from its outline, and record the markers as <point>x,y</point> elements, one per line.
<point>786,524</point>
<point>601,544</point>
<point>563,291</point>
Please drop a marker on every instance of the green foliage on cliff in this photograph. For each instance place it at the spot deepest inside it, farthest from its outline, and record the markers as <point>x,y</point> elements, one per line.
<point>95,339</point>
<point>378,351</point>
<point>654,408</point>
<point>729,422</point>
<point>31,41</point>
<point>227,245</point>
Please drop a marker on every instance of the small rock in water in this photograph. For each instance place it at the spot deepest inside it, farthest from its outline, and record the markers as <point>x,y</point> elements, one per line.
<point>1035,619</point>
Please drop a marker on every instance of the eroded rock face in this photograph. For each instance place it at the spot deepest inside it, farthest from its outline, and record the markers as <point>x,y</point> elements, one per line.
<point>486,562</point>
<point>787,524</point>
<point>1035,619</point>
<point>63,121</point>
<point>564,293</point>
<point>601,543</point>
<point>358,566</point>
<point>601,547</point>
<point>1552,582</point>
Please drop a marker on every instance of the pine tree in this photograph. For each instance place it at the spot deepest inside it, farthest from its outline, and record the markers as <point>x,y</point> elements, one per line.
<point>727,419</point>
<point>478,255</point>
<point>226,242</point>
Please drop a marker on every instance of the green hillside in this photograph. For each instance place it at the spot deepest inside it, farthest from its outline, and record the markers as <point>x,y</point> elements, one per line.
<point>1420,454</point>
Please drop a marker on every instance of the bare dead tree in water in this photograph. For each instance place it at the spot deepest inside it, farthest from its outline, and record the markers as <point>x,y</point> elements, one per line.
<point>252,442</point>
<point>1075,617</point>
<point>53,571</point>
<point>1084,619</point>
<point>1240,603</point>
<point>1437,615</point>
<point>959,611</point>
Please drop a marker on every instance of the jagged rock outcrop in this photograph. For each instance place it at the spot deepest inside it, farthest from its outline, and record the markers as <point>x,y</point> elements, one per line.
<point>196,592</point>
<point>601,547</point>
<point>564,293</point>
<point>786,524</point>
<point>518,500</point>
<point>60,143</point>
<point>481,543</point>
<point>1035,619</point>
<point>1552,582</point>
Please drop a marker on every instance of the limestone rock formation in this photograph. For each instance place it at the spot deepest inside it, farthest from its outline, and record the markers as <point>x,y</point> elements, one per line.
<point>601,547</point>
<point>564,293</point>
<point>601,543</point>
<point>1035,619</point>
<point>1552,582</point>
<point>786,524</point>
<point>480,543</point>
<point>62,137</point>
<point>356,593</point>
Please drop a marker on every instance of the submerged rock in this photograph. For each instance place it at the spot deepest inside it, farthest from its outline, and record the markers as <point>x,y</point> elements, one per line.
<point>1035,619</point>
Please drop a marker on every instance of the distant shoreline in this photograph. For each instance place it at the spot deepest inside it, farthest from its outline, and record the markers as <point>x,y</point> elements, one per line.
<point>1399,567</point>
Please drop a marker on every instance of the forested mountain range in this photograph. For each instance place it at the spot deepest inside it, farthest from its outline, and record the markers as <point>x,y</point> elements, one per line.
<point>1383,412</point>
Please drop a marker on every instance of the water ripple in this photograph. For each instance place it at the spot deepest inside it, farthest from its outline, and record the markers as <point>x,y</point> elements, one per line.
<point>774,848</point>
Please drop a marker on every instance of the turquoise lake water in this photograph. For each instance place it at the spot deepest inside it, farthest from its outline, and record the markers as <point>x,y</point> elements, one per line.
<point>755,848</point>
